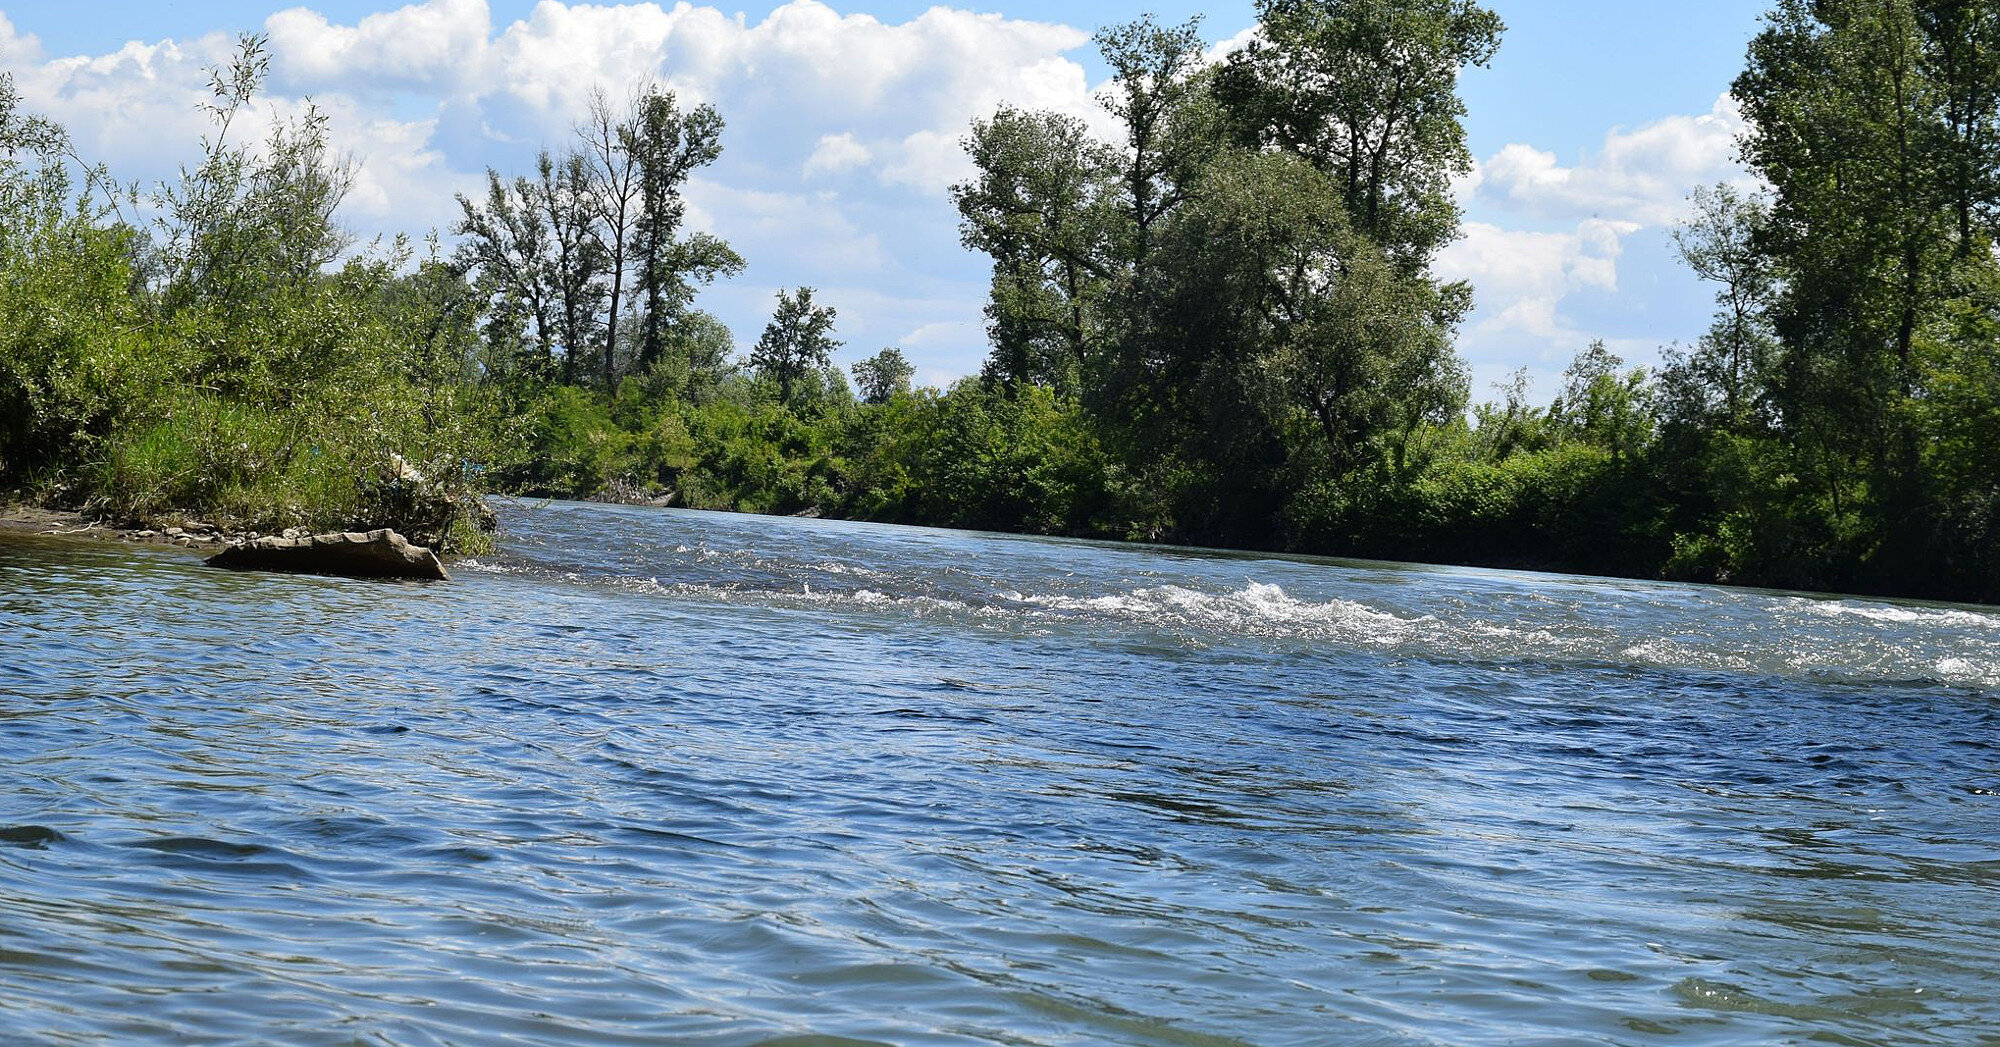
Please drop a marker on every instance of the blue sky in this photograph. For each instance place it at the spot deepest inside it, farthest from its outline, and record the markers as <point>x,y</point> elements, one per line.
<point>1590,128</point>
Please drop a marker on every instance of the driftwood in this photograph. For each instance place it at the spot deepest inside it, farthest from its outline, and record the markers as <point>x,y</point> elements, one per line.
<point>376,554</point>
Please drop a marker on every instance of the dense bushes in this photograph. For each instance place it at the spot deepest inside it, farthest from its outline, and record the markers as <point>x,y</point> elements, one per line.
<point>218,364</point>
<point>967,457</point>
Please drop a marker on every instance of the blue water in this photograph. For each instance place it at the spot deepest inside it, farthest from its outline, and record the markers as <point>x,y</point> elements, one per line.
<point>649,777</point>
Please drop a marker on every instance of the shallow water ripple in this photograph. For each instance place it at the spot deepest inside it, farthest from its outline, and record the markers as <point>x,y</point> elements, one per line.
<point>660,777</point>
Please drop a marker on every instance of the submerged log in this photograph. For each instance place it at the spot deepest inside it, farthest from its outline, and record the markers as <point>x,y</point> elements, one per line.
<point>380,553</point>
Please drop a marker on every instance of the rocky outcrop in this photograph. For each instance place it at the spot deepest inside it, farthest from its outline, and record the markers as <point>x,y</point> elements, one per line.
<point>376,554</point>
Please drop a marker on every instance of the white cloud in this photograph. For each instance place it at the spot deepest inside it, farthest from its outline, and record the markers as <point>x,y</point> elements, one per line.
<point>1641,175</point>
<point>928,161</point>
<point>948,334</point>
<point>1511,264</point>
<point>837,154</point>
<point>17,47</point>
<point>1522,280</point>
<point>438,43</point>
<point>1550,238</point>
<point>1224,48</point>
<point>766,226</point>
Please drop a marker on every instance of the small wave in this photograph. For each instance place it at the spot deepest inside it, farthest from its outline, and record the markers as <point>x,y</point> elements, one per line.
<point>1966,671</point>
<point>30,837</point>
<point>1257,609</point>
<point>1891,613</point>
<point>1668,654</point>
<point>1785,644</point>
<point>474,564</point>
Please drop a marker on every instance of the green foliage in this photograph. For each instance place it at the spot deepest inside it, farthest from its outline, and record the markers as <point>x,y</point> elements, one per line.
<point>1238,291</point>
<point>223,367</point>
<point>1044,208</point>
<point>796,344</point>
<point>1367,91</point>
<point>884,375</point>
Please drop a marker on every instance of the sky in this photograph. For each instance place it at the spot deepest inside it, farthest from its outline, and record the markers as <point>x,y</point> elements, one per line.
<point>1588,131</point>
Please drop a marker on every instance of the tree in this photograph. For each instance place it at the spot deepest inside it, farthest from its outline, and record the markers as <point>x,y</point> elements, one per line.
<point>1287,315</point>
<point>1731,363</point>
<point>706,344</point>
<point>1367,91</point>
<point>671,144</point>
<point>575,268</point>
<point>883,375</point>
<point>243,222</point>
<point>506,241</point>
<point>1603,405</point>
<point>614,185</point>
<point>1875,134</point>
<point>1154,81</point>
<point>1043,208</point>
<point>799,339</point>
<point>1961,56</point>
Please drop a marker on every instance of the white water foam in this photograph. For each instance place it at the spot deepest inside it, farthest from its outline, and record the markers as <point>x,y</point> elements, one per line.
<point>1257,609</point>
<point>1783,644</point>
<point>1892,614</point>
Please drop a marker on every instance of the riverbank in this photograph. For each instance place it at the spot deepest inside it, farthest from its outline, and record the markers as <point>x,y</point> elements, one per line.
<point>190,533</point>
<point>25,518</point>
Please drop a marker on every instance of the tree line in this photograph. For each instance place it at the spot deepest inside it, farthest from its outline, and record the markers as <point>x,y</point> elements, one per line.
<point>1221,326</point>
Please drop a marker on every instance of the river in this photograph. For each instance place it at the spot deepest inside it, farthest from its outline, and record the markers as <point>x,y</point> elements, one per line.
<point>649,776</point>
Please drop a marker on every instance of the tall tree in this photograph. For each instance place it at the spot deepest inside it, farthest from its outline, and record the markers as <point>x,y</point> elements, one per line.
<point>883,375</point>
<point>1292,327</point>
<point>799,339</point>
<point>614,177</point>
<point>1154,79</point>
<point>671,144</point>
<point>1043,207</point>
<point>506,242</point>
<point>1961,57</point>
<point>1731,363</point>
<point>1367,91</point>
<point>575,268</point>
<point>1845,124</point>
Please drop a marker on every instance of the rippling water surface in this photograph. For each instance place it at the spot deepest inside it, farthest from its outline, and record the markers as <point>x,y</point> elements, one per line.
<point>662,777</point>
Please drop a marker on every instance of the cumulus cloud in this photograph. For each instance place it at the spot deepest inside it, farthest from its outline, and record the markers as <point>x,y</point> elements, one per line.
<point>16,46</point>
<point>433,44</point>
<point>1521,278</point>
<point>837,154</point>
<point>1641,175</point>
<point>803,68</point>
<point>765,224</point>
<point>1550,237</point>
<point>1229,46</point>
<point>1511,264</point>
<point>928,161</point>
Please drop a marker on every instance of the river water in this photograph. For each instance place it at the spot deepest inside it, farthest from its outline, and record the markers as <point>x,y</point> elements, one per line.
<point>649,777</point>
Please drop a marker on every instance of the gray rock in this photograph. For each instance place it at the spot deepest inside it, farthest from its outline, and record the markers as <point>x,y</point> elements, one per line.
<point>377,554</point>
